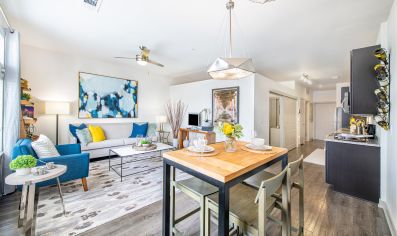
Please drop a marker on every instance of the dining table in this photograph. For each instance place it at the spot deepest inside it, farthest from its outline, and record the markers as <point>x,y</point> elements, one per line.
<point>223,170</point>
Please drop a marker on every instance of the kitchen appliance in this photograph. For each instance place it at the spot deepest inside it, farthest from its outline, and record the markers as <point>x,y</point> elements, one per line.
<point>371,130</point>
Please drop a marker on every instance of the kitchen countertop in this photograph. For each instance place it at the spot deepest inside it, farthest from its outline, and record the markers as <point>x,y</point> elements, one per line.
<point>368,142</point>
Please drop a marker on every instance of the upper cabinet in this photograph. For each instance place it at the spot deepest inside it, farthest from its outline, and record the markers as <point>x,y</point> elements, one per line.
<point>363,81</point>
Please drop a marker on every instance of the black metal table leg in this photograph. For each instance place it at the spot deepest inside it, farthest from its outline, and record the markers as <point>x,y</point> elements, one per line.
<point>121,170</point>
<point>284,161</point>
<point>223,214</point>
<point>166,198</point>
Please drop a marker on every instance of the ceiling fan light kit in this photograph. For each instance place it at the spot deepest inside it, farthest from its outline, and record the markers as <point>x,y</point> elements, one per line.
<point>229,68</point>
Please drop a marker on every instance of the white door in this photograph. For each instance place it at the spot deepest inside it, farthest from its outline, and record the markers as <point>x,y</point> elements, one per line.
<point>289,122</point>
<point>324,119</point>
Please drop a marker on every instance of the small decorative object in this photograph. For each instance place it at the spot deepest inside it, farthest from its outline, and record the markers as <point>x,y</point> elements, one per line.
<point>117,97</point>
<point>232,132</point>
<point>225,105</point>
<point>50,165</point>
<point>27,111</point>
<point>146,148</point>
<point>186,142</point>
<point>258,141</point>
<point>175,113</point>
<point>382,70</point>
<point>40,171</point>
<point>23,164</point>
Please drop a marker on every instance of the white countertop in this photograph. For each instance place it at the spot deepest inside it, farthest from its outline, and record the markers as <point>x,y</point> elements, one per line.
<point>368,142</point>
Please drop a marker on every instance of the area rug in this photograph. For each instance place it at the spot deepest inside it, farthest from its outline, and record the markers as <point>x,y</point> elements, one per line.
<point>316,157</point>
<point>106,199</point>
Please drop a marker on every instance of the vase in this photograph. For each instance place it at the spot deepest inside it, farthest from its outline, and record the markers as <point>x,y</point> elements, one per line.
<point>175,143</point>
<point>230,145</point>
<point>22,171</point>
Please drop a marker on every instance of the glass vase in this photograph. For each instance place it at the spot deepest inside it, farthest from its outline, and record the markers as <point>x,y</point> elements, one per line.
<point>230,145</point>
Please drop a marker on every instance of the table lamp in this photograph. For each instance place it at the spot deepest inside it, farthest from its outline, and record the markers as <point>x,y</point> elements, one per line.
<point>57,108</point>
<point>161,120</point>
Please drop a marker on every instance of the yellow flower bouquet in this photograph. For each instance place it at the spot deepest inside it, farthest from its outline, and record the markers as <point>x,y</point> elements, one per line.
<point>232,132</point>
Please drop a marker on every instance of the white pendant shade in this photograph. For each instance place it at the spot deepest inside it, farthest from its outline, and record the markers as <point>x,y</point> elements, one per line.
<point>231,68</point>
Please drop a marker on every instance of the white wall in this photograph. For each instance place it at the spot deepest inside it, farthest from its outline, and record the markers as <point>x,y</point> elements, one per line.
<point>53,76</point>
<point>263,87</point>
<point>198,95</point>
<point>388,39</point>
<point>323,96</point>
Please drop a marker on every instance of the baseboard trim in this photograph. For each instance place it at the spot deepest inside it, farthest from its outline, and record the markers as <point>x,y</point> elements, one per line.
<point>384,206</point>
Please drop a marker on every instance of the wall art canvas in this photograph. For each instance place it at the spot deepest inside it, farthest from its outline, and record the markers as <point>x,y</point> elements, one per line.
<point>107,97</point>
<point>225,105</point>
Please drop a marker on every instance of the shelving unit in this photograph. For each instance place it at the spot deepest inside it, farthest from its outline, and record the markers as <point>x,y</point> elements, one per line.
<point>27,119</point>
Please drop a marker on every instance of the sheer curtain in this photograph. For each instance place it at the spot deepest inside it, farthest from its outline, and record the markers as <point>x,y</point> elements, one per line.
<point>11,99</point>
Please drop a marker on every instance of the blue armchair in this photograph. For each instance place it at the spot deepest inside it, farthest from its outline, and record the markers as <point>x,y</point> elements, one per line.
<point>77,163</point>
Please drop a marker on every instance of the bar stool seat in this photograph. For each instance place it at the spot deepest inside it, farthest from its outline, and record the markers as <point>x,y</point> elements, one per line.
<point>256,180</point>
<point>242,205</point>
<point>198,190</point>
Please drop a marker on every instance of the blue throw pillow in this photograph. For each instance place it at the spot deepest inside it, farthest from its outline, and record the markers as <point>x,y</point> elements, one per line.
<point>73,130</point>
<point>139,129</point>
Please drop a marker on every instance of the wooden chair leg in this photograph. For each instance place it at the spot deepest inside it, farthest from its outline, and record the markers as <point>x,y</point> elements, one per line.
<point>84,182</point>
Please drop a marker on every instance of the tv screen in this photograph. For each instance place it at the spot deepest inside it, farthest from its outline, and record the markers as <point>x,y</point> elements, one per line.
<point>194,119</point>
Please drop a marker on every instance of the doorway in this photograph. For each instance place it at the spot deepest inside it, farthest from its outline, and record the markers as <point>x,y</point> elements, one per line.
<point>283,121</point>
<point>324,119</point>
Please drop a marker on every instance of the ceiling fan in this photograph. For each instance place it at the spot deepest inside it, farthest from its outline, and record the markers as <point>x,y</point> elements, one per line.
<point>142,58</point>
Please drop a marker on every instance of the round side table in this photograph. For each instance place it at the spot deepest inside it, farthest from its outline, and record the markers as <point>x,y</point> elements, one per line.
<point>28,183</point>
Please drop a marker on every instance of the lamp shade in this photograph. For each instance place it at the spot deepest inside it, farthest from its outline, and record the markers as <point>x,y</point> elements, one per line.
<point>161,119</point>
<point>57,108</point>
<point>231,68</point>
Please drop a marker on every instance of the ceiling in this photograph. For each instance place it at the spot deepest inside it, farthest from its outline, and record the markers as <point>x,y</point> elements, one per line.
<point>285,38</point>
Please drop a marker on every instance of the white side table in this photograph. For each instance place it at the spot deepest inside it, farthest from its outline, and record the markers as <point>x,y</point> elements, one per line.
<point>28,193</point>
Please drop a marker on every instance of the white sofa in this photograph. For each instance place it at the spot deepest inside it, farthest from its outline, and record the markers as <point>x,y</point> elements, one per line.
<point>117,134</point>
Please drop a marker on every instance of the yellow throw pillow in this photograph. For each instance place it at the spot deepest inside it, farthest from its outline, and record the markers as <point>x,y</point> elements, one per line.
<point>97,133</point>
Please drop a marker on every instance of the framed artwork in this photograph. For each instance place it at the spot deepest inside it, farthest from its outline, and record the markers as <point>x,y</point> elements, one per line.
<point>225,105</point>
<point>107,97</point>
<point>27,111</point>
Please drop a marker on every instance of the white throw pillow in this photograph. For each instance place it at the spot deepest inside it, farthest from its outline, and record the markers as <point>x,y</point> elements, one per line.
<point>44,147</point>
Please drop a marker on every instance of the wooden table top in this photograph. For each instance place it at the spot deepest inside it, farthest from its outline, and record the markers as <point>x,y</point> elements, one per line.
<point>225,166</point>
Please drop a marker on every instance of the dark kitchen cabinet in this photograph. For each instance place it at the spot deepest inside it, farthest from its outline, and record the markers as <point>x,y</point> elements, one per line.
<point>363,81</point>
<point>353,169</point>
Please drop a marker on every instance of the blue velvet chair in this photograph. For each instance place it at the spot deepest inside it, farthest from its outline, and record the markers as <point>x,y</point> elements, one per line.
<point>77,163</point>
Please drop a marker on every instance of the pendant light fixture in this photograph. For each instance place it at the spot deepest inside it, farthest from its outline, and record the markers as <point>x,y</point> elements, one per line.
<point>231,68</point>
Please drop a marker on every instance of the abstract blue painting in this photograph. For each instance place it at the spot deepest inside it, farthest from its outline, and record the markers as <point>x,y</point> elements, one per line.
<point>107,97</point>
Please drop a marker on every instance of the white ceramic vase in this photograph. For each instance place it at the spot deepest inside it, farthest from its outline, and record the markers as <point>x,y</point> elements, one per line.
<point>23,171</point>
<point>175,143</point>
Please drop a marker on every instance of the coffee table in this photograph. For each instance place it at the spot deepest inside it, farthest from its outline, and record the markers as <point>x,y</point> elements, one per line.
<point>131,155</point>
<point>28,183</point>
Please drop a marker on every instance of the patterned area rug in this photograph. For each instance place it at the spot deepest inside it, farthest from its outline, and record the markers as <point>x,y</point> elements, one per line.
<point>107,198</point>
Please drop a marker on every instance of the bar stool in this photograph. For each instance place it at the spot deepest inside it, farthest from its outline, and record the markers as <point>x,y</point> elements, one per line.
<point>250,208</point>
<point>296,169</point>
<point>197,190</point>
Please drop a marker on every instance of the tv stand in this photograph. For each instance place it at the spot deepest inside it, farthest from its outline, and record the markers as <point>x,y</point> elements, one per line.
<point>184,133</point>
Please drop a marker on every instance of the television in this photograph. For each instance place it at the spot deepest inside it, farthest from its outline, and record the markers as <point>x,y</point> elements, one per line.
<point>194,119</point>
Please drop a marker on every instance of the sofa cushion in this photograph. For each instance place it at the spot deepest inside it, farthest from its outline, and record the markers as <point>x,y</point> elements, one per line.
<point>103,144</point>
<point>44,147</point>
<point>84,136</point>
<point>129,141</point>
<point>73,129</point>
<point>139,129</point>
<point>97,133</point>
<point>151,131</point>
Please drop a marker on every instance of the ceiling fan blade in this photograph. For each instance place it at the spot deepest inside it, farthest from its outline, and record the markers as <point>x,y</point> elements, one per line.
<point>155,63</point>
<point>125,57</point>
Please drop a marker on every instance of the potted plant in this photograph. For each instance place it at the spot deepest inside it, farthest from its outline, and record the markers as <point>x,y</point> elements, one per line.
<point>23,164</point>
<point>175,113</point>
<point>145,143</point>
<point>232,132</point>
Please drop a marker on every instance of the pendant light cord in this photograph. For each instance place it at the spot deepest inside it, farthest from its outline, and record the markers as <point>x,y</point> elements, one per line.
<point>230,6</point>
<point>6,20</point>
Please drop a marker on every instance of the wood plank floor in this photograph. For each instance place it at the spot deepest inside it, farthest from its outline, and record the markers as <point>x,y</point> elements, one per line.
<point>326,212</point>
